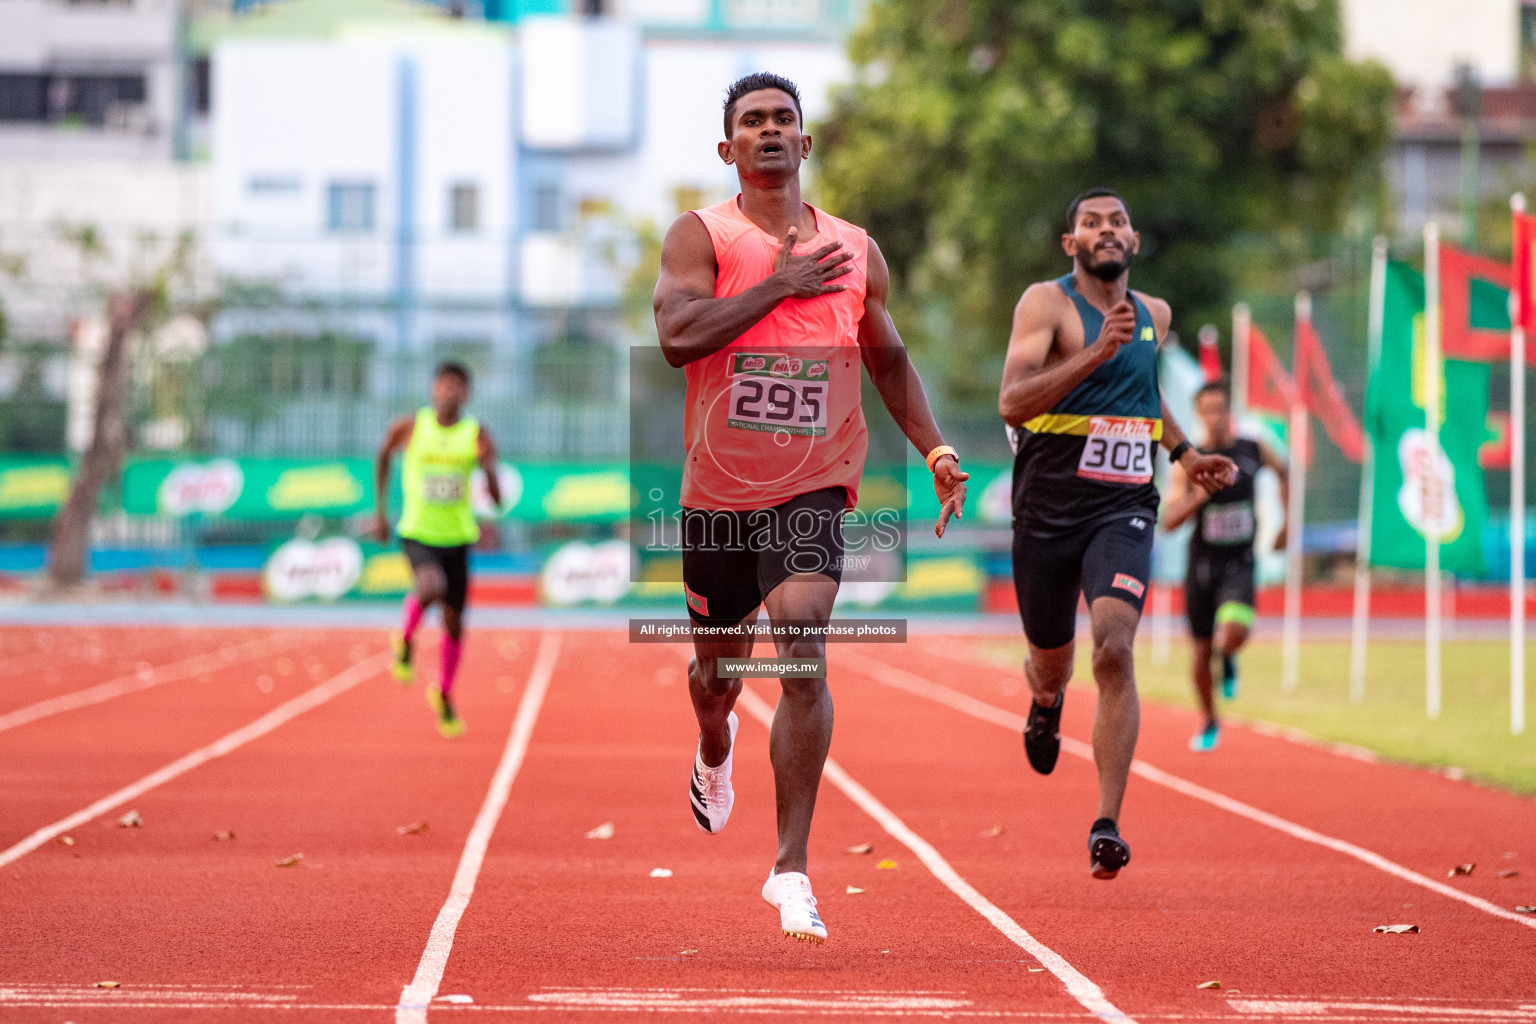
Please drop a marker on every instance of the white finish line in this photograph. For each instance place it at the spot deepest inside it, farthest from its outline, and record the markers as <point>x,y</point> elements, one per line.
<point>418,995</point>
<point>912,683</point>
<point>279,715</point>
<point>1078,986</point>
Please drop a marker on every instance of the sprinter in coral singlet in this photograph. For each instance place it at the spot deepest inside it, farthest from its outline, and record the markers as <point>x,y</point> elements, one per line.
<point>1082,406</point>
<point>774,308</point>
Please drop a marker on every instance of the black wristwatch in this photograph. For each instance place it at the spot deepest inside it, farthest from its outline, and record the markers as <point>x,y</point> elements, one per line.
<point>1178,451</point>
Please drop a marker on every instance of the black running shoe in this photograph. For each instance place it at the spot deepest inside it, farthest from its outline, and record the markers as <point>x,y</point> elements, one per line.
<point>1107,852</point>
<point>1042,735</point>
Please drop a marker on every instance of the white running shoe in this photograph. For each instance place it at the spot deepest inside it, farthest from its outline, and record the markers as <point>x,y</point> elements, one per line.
<point>709,791</point>
<point>790,892</point>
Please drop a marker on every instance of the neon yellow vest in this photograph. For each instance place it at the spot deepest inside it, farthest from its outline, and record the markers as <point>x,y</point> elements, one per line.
<point>435,478</point>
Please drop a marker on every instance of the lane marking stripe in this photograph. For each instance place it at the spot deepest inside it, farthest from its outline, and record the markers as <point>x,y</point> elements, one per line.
<point>415,997</point>
<point>912,683</point>
<point>278,716</point>
<point>1084,991</point>
<point>132,684</point>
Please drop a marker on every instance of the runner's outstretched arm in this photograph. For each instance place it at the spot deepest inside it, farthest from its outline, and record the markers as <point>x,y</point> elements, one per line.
<point>1210,472</point>
<point>398,436</point>
<point>1029,386</point>
<point>691,323</point>
<point>488,464</point>
<point>1184,499</point>
<point>901,389</point>
<point>1283,471</point>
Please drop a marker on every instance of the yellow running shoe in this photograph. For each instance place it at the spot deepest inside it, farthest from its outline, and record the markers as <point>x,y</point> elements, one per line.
<point>402,669</point>
<point>449,724</point>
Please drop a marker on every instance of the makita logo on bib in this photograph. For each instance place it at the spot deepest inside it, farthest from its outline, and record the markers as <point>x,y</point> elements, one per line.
<point>1131,427</point>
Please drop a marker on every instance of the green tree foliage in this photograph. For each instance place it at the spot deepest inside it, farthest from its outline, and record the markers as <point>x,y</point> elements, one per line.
<point>972,123</point>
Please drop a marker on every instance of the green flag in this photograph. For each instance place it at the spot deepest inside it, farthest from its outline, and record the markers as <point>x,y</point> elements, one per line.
<point>1417,490</point>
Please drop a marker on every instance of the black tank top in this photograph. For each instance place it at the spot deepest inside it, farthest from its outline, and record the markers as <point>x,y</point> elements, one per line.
<point>1090,459</point>
<point>1225,524</point>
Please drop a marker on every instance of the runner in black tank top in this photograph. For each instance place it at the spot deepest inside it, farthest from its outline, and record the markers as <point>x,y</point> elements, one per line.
<point>1218,588</point>
<point>1080,399</point>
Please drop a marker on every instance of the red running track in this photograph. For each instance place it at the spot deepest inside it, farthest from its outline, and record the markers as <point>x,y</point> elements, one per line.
<point>571,928</point>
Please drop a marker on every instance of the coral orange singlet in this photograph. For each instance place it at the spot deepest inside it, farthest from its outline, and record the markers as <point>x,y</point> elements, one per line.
<point>776,413</point>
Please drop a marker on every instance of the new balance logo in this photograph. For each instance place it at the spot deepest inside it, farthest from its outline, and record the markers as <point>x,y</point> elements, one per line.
<point>1139,524</point>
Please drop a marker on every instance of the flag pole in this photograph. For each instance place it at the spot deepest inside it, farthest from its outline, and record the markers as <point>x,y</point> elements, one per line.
<point>1241,322</point>
<point>1521,289</point>
<point>1290,657</point>
<point>1432,481</point>
<point>1360,627</point>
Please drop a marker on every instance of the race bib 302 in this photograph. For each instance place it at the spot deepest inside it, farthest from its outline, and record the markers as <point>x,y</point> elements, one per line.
<point>1118,450</point>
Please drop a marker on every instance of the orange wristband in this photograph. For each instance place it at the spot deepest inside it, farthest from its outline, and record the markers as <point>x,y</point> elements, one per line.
<point>938,453</point>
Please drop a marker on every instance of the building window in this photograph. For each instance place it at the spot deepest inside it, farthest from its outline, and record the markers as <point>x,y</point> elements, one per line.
<point>349,207</point>
<point>79,99</point>
<point>546,208</point>
<point>464,208</point>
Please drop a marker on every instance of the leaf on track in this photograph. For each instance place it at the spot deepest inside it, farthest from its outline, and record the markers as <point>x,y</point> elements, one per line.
<point>993,832</point>
<point>130,820</point>
<point>220,837</point>
<point>886,865</point>
<point>1525,910</point>
<point>415,828</point>
<point>603,831</point>
<point>862,848</point>
<point>661,872</point>
<point>688,951</point>
<point>109,984</point>
<point>853,890</point>
<point>65,840</point>
<point>1209,984</point>
<point>288,862</point>
<point>1396,929</point>
<point>1461,869</point>
<point>1037,970</point>
<point>1508,873</point>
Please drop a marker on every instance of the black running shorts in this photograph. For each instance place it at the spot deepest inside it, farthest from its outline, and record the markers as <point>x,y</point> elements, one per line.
<point>1112,559</point>
<point>453,561</point>
<point>732,560</point>
<point>1214,580</point>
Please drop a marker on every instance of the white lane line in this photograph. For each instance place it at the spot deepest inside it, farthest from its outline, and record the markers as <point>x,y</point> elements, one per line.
<point>915,684</point>
<point>1080,988</point>
<point>278,716</point>
<point>131,684</point>
<point>418,995</point>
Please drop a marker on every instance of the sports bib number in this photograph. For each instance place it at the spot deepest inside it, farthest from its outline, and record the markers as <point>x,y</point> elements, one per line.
<point>443,490</point>
<point>1118,451</point>
<point>778,393</point>
<point>1230,523</point>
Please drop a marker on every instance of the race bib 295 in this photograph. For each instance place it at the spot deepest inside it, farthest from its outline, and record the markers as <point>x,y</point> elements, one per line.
<point>779,393</point>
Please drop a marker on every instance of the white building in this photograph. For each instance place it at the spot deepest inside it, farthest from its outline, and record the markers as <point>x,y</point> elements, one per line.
<point>434,181</point>
<point>1423,41</point>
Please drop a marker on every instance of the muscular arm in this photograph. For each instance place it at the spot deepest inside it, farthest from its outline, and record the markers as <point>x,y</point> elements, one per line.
<point>488,463</point>
<point>1029,386</point>
<point>901,389</point>
<point>691,323</point>
<point>398,436</point>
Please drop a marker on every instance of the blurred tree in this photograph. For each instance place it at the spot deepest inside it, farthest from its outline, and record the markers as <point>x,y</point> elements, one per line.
<point>972,123</point>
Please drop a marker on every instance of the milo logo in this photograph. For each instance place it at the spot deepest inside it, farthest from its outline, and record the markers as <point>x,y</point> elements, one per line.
<point>750,364</point>
<point>816,371</point>
<point>210,487</point>
<point>786,366</point>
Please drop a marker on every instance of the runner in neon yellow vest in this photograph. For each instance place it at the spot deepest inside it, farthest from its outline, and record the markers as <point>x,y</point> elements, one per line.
<point>437,526</point>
